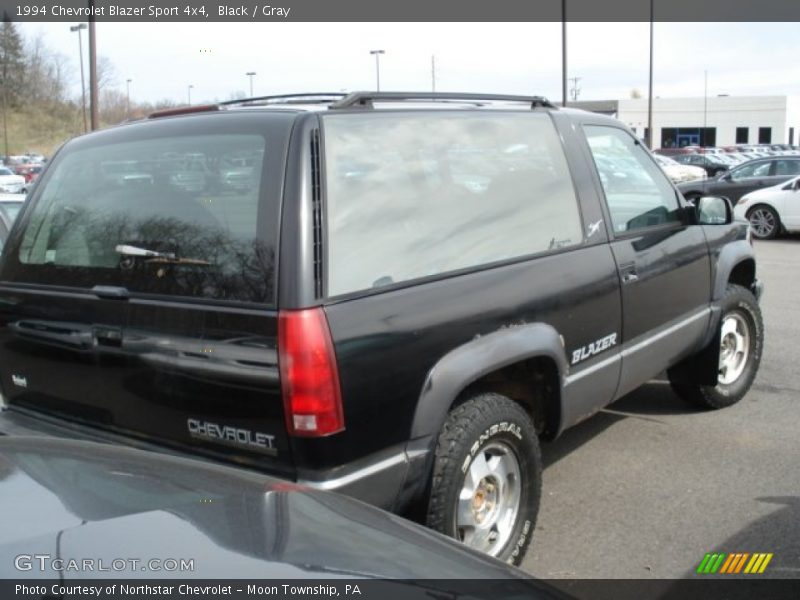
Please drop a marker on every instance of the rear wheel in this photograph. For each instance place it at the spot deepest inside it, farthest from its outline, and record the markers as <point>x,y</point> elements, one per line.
<point>487,477</point>
<point>741,343</point>
<point>764,222</point>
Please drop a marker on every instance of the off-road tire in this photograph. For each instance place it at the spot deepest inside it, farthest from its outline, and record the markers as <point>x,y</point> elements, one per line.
<point>472,427</point>
<point>740,301</point>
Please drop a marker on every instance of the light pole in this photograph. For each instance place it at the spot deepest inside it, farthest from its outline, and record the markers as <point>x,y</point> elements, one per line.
<point>377,54</point>
<point>251,74</point>
<point>94,100</point>
<point>189,91</point>
<point>650,87</point>
<point>564,53</point>
<point>705,109</point>
<point>79,28</point>
<point>128,98</point>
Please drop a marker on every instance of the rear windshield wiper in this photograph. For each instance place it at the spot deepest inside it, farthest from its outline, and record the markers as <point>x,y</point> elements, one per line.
<point>128,250</point>
<point>156,257</point>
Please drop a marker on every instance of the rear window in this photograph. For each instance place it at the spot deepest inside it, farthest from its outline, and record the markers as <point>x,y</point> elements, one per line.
<point>172,215</point>
<point>417,196</point>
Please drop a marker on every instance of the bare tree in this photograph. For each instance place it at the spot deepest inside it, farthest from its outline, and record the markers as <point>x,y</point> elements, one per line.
<point>106,73</point>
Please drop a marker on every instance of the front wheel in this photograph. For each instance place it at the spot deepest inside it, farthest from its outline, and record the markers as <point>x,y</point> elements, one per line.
<point>764,222</point>
<point>741,344</point>
<point>487,477</point>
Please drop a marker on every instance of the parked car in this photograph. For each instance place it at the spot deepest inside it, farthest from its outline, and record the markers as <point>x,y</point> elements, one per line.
<point>677,172</point>
<point>12,204</point>
<point>30,173</point>
<point>395,315</point>
<point>18,159</point>
<point>772,210</point>
<point>35,157</point>
<point>81,501</point>
<point>745,178</point>
<point>739,157</point>
<point>9,182</point>
<point>672,152</point>
<point>712,164</point>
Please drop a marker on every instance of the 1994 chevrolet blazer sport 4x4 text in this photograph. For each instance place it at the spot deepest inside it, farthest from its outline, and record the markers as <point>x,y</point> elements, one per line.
<point>394,295</point>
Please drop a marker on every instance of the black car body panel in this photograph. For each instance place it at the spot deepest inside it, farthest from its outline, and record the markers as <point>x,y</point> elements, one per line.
<point>710,163</point>
<point>75,500</point>
<point>585,321</point>
<point>179,369</point>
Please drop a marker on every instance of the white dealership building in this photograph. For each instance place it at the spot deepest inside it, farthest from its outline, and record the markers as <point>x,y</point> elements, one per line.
<point>712,121</point>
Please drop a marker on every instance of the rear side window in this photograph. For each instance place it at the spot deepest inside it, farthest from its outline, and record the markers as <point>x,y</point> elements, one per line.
<point>412,196</point>
<point>637,192</point>
<point>172,215</point>
<point>787,167</point>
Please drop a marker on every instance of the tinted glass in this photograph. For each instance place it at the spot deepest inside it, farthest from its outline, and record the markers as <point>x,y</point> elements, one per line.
<point>637,191</point>
<point>171,215</point>
<point>415,196</point>
<point>12,209</point>
<point>787,167</point>
<point>757,169</point>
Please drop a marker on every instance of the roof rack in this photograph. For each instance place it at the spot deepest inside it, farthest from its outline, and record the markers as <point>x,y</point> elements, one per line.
<point>303,98</point>
<point>182,110</point>
<point>366,99</point>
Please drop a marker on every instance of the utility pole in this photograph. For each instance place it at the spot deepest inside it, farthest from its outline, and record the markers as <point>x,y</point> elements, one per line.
<point>128,98</point>
<point>93,69</point>
<point>575,91</point>
<point>377,55</point>
<point>5,107</point>
<point>433,73</point>
<point>703,140</point>
<point>650,87</point>
<point>189,93</point>
<point>563,52</point>
<point>251,74</point>
<point>73,29</point>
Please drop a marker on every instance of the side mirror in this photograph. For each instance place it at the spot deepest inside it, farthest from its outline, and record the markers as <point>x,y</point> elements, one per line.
<point>712,210</point>
<point>726,176</point>
<point>796,185</point>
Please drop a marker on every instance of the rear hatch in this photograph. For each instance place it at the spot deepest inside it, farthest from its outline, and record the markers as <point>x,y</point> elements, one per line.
<point>137,291</point>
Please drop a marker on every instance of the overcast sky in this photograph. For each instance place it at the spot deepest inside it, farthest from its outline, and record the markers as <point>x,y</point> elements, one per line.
<point>162,59</point>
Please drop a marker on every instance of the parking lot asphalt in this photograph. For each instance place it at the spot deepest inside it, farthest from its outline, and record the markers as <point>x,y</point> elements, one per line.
<point>646,487</point>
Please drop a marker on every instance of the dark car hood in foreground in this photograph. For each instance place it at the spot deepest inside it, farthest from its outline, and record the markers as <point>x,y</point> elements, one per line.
<point>83,500</point>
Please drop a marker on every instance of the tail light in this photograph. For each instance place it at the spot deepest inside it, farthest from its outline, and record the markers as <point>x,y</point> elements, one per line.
<point>309,374</point>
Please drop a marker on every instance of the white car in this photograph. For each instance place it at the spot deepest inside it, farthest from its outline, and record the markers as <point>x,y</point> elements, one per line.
<point>677,172</point>
<point>771,210</point>
<point>10,183</point>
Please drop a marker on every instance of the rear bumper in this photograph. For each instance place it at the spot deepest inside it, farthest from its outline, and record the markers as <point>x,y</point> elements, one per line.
<point>391,479</point>
<point>381,479</point>
<point>376,479</point>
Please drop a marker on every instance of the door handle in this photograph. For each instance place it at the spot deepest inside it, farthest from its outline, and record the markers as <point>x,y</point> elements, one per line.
<point>107,336</point>
<point>628,273</point>
<point>629,277</point>
<point>111,292</point>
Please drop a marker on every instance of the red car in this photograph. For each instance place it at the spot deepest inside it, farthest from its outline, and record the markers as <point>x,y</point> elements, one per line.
<point>29,172</point>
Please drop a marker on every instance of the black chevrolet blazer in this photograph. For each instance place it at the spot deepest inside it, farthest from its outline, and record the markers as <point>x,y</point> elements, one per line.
<point>392,295</point>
